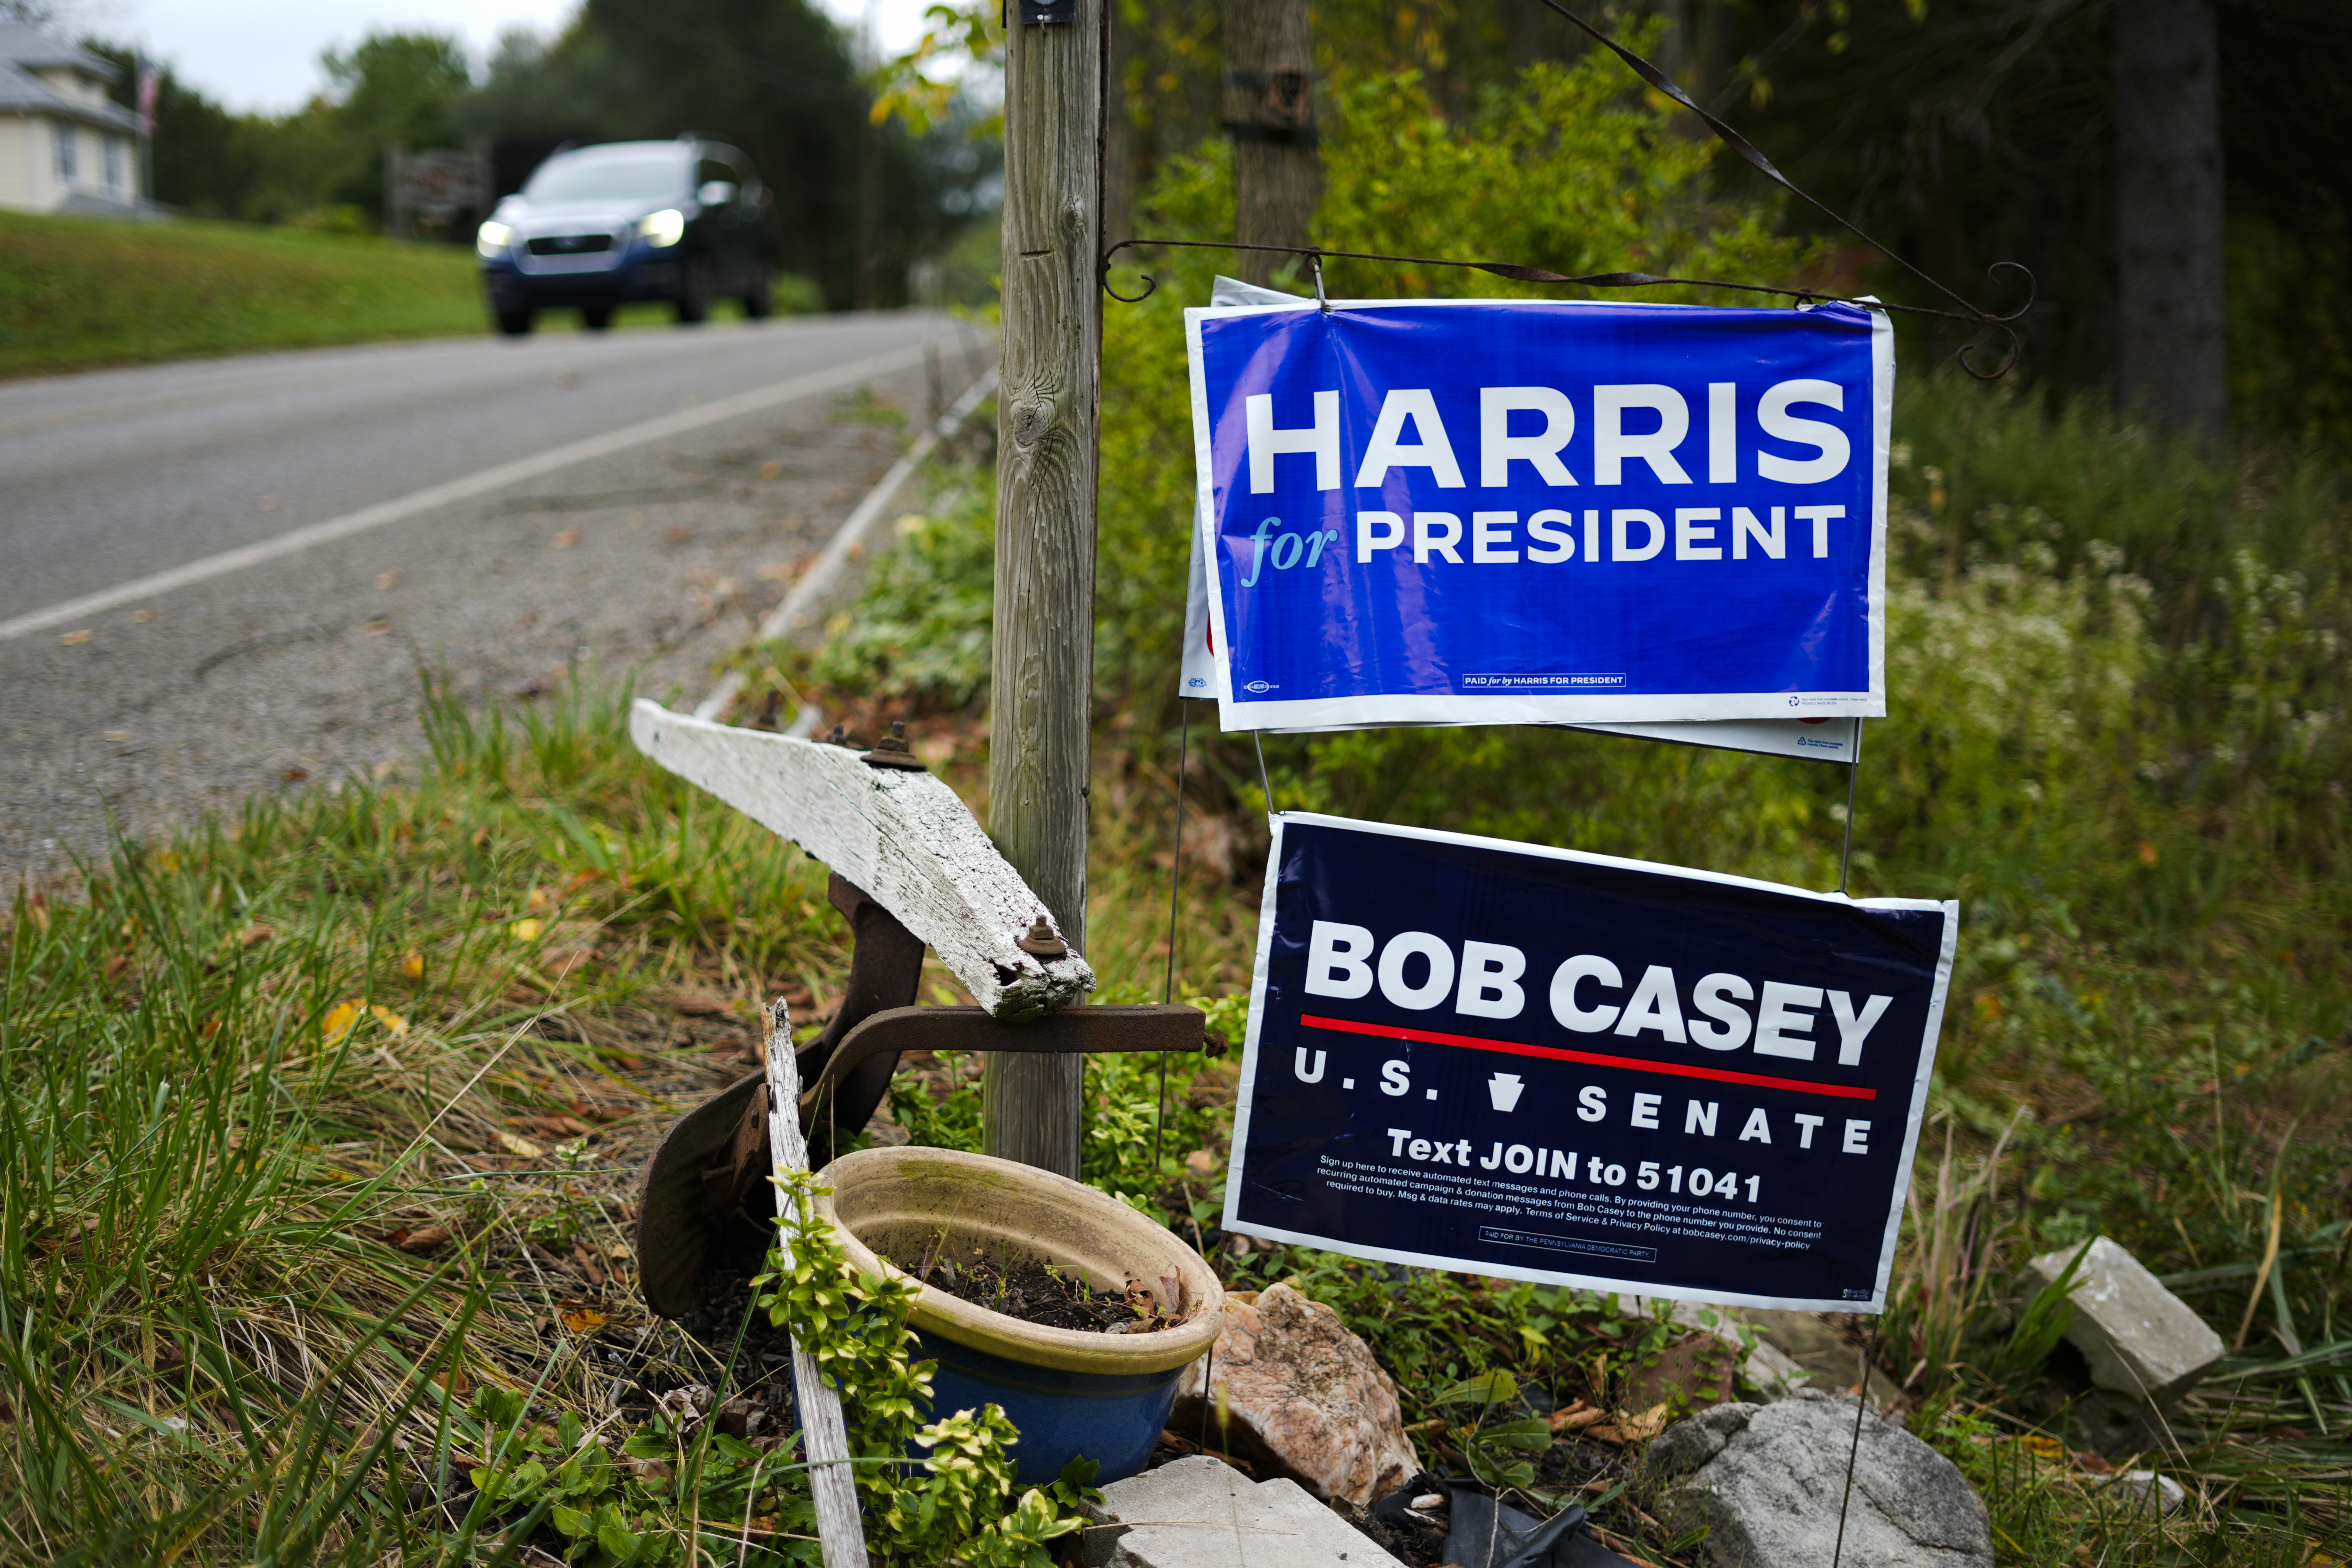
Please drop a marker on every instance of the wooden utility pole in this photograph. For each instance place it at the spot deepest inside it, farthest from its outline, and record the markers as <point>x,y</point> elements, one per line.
<point>1270,115</point>
<point>1041,666</point>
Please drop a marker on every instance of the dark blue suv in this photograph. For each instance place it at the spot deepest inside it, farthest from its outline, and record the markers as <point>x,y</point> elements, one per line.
<point>593,228</point>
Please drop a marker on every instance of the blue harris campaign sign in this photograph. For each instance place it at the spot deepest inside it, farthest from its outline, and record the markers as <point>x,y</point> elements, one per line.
<point>1474,511</point>
<point>1536,1063</point>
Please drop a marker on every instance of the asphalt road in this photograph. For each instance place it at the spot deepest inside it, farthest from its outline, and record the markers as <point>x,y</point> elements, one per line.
<point>224,577</point>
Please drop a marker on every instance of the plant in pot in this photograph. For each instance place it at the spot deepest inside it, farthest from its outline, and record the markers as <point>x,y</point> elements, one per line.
<point>953,1226</point>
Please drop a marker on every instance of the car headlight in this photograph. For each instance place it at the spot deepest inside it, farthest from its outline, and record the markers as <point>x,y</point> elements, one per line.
<point>666,226</point>
<point>492,237</point>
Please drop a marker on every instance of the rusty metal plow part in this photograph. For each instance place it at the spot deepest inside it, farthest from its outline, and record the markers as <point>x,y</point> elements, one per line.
<point>702,1204</point>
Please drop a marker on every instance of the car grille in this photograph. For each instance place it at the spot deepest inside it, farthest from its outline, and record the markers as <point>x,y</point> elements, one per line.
<point>570,243</point>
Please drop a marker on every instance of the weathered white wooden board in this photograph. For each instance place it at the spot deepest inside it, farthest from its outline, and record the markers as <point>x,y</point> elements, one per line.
<point>825,1438</point>
<point>905,837</point>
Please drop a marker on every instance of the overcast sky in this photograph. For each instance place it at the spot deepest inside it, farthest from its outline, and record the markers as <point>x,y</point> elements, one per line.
<point>263,55</point>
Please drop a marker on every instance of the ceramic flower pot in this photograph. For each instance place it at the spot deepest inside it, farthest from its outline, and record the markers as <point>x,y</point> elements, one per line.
<point>1071,1393</point>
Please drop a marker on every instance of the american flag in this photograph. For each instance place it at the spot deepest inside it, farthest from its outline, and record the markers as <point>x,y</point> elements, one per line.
<point>150,85</point>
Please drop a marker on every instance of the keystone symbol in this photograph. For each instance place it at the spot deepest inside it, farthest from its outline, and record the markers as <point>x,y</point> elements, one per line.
<point>1503,1089</point>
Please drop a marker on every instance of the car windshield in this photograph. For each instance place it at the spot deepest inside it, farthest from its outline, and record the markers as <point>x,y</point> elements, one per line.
<point>608,180</point>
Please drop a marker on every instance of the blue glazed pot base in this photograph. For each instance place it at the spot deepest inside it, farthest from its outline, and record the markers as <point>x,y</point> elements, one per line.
<point>1112,1418</point>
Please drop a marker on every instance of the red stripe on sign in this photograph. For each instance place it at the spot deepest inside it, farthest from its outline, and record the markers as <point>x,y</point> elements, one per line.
<point>1590,1059</point>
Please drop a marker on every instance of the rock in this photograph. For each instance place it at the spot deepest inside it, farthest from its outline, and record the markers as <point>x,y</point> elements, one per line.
<point>1814,1343</point>
<point>1772,1371</point>
<point>2143,1486</point>
<point>2138,1337</point>
<point>1768,1479</point>
<point>1792,1349</point>
<point>1200,1512</point>
<point>1688,1445</point>
<point>1302,1397</point>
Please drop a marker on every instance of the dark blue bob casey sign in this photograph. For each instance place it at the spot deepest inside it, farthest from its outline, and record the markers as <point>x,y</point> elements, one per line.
<point>1473,511</point>
<point>1475,1055</point>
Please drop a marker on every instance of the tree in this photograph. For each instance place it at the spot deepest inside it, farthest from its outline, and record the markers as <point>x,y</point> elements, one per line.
<point>195,162</point>
<point>1269,90</point>
<point>771,77</point>
<point>392,89</point>
<point>2169,303</point>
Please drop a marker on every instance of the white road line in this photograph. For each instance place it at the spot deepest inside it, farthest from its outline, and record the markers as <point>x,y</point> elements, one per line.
<point>819,579</point>
<point>432,496</point>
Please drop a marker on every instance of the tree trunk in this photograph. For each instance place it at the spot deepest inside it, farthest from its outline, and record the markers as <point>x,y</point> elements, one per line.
<point>2168,212</point>
<point>1270,114</point>
<point>1122,144</point>
<point>1042,665</point>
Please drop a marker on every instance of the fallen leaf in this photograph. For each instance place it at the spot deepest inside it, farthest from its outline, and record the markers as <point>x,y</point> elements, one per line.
<point>678,533</point>
<point>379,627</point>
<point>558,961</point>
<point>1638,1428</point>
<point>554,1126</point>
<point>1201,1162</point>
<point>142,616</point>
<point>387,580</point>
<point>2097,1464</point>
<point>588,1265</point>
<point>117,967</point>
<point>525,930</point>
<point>75,640</point>
<point>253,935</point>
<point>521,1146</point>
<point>117,734</point>
<point>339,1018</point>
<point>1576,1417</point>
<point>583,1319</point>
<point>430,1239</point>
<point>2043,1447</point>
<point>70,1241</point>
<point>566,539</point>
<point>780,570</point>
<point>771,470</point>
<point>412,965</point>
<point>698,1004</point>
<point>295,775</point>
<point>396,1025</point>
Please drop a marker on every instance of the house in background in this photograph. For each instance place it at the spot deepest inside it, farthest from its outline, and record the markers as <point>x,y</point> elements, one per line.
<point>65,146</point>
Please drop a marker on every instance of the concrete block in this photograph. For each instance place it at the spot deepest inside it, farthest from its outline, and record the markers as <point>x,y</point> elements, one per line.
<point>2138,1337</point>
<point>1200,1512</point>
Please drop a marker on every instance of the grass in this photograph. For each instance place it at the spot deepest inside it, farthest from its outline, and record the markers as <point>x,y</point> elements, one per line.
<point>257,1062</point>
<point>77,293</point>
<point>321,1121</point>
<point>80,293</point>
<point>264,1249</point>
<point>2119,740</point>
